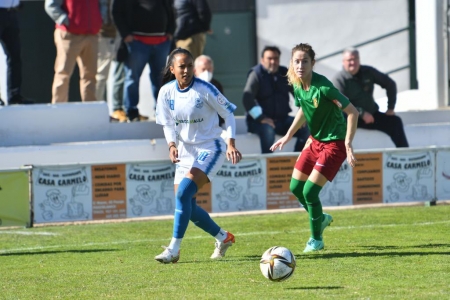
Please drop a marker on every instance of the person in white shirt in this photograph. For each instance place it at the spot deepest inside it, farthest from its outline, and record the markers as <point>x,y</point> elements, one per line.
<point>187,107</point>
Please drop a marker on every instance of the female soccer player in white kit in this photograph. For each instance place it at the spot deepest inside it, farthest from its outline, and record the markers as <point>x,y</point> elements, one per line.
<point>187,107</point>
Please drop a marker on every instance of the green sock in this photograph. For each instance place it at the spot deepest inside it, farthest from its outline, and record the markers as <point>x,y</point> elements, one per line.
<point>296,188</point>
<point>311,192</point>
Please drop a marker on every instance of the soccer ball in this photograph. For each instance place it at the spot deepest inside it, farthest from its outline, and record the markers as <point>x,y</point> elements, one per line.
<point>277,263</point>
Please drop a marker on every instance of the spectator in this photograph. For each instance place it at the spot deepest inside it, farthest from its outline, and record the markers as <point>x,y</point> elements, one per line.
<point>204,69</point>
<point>117,99</point>
<point>77,26</point>
<point>108,44</point>
<point>193,18</point>
<point>357,82</point>
<point>266,100</point>
<point>9,38</point>
<point>146,27</point>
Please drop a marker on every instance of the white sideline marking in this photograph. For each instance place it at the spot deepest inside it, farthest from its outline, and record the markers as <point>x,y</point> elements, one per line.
<point>27,232</point>
<point>205,236</point>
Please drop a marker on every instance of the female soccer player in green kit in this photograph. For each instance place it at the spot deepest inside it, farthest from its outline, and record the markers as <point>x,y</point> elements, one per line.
<point>321,106</point>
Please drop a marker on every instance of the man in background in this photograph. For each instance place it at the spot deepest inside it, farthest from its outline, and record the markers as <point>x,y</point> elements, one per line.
<point>9,38</point>
<point>77,25</point>
<point>204,69</point>
<point>266,100</point>
<point>357,82</point>
<point>193,19</point>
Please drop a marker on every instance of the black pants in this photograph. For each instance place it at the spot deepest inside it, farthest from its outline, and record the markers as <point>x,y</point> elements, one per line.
<point>391,125</point>
<point>9,38</point>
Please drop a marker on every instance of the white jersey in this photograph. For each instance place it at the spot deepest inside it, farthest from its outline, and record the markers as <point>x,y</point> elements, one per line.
<point>193,111</point>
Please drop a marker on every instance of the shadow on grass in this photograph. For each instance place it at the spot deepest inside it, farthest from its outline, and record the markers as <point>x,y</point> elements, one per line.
<point>327,255</point>
<point>315,288</point>
<point>56,252</point>
<point>376,247</point>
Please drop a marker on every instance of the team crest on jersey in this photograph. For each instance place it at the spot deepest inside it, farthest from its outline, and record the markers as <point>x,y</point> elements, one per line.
<point>338,104</point>
<point>221,100</point>
<point>198,103</point>
<point>316,103</point>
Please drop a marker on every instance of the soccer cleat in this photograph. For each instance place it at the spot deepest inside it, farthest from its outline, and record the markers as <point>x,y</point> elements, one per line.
<point>167,257</point>
<point>313,245</point>
<point>327,219</point>
<point>222,247</point>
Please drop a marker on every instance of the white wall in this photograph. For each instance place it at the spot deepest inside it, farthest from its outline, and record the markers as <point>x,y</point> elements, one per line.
<point>331,25</point>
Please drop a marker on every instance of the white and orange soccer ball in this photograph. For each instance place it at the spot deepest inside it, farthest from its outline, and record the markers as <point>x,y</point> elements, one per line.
<point>277,263</point>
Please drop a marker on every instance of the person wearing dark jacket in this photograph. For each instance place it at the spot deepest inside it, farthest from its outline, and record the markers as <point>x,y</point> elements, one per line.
<point>193,20</point>
<point>357,82</point>
<point>147,28</point>
<point>266,100</point>
<point>10,42</point>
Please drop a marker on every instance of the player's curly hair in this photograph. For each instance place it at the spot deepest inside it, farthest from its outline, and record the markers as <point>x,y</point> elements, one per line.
<point>166,74</point>
<point>292,77</point>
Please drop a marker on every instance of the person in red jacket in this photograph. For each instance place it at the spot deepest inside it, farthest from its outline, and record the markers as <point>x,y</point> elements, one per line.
<point>76,40</point>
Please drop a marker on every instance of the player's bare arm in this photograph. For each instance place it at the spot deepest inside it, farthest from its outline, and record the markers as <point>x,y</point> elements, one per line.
<point>233,154</point>
<point>298,122</point>
<point>352,121</point>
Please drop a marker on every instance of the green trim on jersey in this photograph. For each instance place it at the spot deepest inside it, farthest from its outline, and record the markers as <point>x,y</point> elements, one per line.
<point>322,106</point>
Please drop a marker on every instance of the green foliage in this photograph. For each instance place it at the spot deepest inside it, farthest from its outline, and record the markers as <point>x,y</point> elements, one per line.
<point>377,253</point>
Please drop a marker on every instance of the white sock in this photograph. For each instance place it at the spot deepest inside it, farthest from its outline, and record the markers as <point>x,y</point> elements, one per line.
<point>221,236</point>
<point>175,245</point>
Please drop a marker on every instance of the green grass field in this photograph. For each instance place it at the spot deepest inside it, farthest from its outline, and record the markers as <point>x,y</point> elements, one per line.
<point>373,253</point>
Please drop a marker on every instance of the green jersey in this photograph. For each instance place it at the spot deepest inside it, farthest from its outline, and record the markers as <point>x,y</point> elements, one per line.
<point>322,105</point>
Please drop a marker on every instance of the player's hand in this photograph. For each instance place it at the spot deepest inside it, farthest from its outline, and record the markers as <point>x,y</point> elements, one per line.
<point>233,154</point>
<point>128,39</point>
<point>350,155</point>
<point>390,112</point>
<point>367,118</point>
<point>173,154</point>
<point>280,143</point>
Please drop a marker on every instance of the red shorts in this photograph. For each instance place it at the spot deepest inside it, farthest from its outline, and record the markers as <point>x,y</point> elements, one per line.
<point>325,157</point>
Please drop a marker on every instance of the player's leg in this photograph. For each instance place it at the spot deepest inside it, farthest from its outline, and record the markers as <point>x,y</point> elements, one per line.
<point>331,157</point>
<point>186,190</point>
<point>303,167</point>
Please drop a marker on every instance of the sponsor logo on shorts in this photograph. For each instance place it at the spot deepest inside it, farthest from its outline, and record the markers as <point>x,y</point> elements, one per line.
<point>318,164</point>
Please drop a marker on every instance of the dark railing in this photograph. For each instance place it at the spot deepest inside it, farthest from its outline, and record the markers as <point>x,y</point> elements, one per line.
<point>369,42</point>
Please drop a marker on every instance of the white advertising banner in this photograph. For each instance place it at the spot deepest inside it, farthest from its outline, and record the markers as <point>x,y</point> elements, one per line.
<point>150,190</point>
<point>240,187</point>
<point>339,191</point>
<point>62,194</point>
<point>408,176</point>
<point>443,175</point>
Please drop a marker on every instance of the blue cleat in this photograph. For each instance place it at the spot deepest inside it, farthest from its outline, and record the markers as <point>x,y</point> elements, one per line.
<point>313,245</point>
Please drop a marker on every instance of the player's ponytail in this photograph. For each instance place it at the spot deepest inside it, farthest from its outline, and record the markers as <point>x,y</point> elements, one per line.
<point>167,75</point>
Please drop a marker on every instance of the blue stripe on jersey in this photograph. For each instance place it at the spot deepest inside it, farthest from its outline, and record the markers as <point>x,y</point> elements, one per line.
<point>216,156</point>
<point>209,86</point>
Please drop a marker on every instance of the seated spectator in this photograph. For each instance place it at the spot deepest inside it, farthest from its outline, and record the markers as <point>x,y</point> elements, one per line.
<point>266,100</point>
<point>357,82</point>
